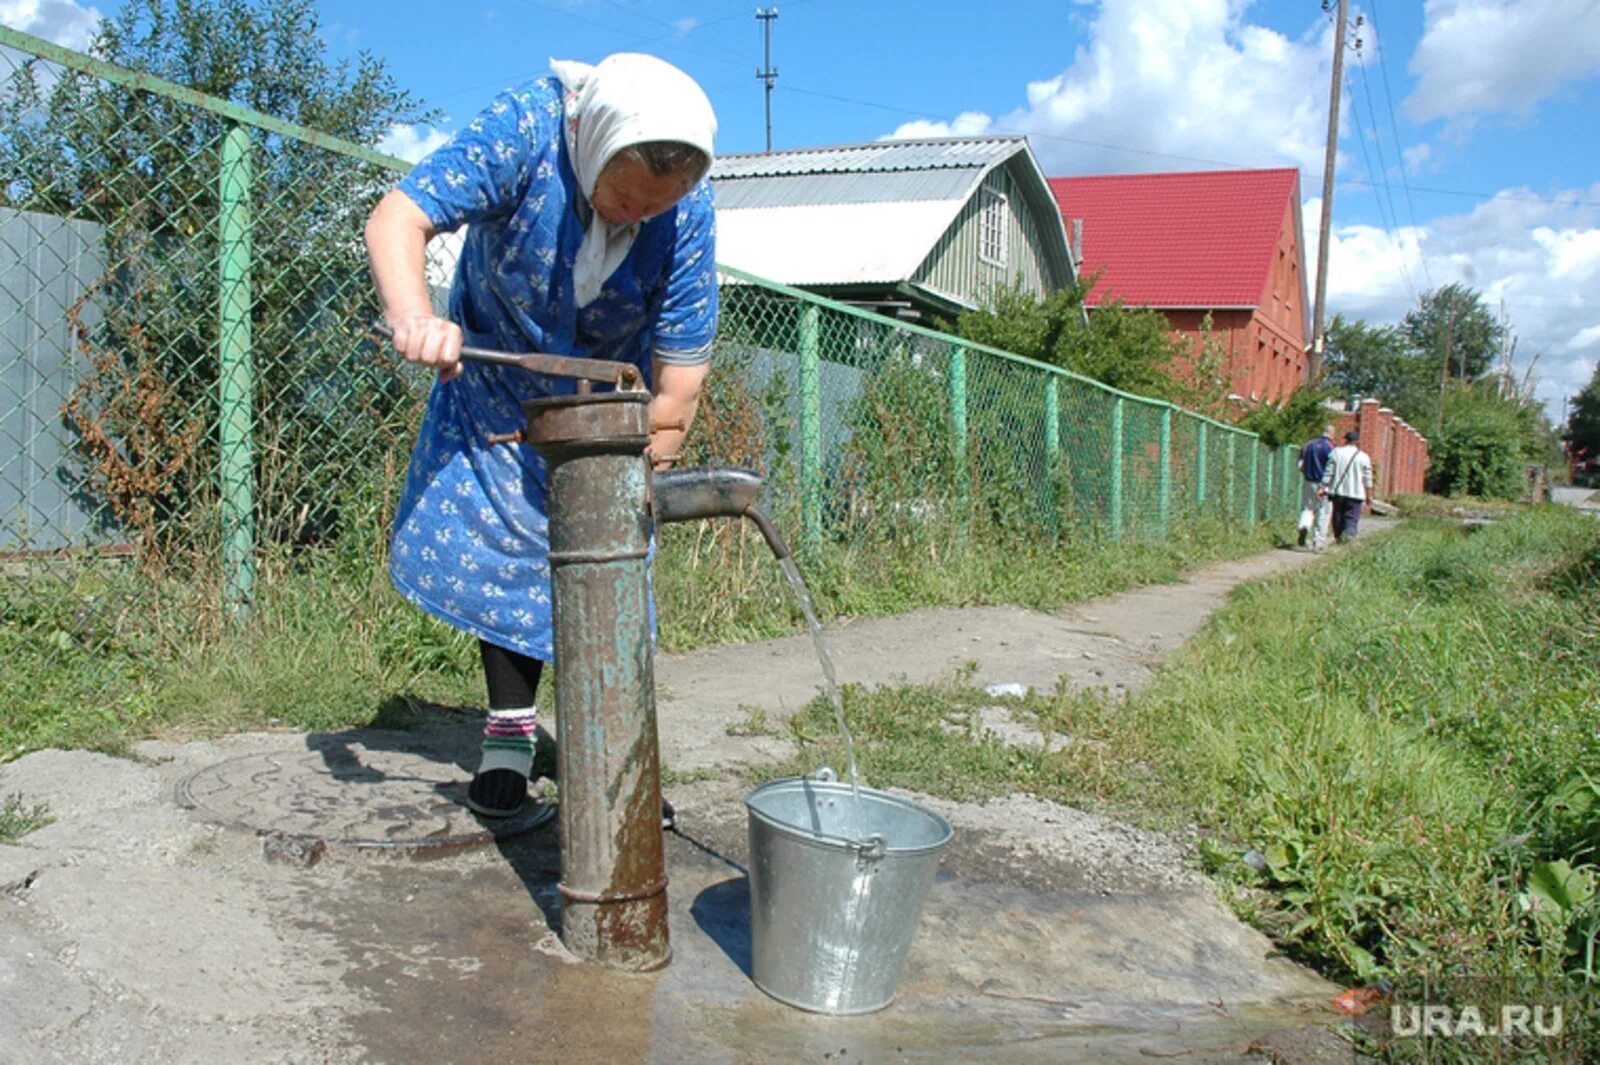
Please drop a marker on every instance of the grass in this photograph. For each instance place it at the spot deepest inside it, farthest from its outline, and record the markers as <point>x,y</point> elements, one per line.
<point>716,583</point>
<point>97,656</point>
<point>1392,759</point>
<point>18,819</point>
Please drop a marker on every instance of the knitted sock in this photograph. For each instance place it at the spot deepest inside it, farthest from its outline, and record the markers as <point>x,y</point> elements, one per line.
<point>501,783</point>
<point>508,740</point>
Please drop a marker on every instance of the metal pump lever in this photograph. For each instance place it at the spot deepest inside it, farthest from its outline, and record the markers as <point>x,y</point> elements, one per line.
<point>618,374</point>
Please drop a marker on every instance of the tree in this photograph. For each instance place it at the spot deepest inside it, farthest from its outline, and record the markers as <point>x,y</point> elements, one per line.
<point>1452,331</point>
<point>145,167</point>
<point>1130,349</point>
<point>1483,444</point>
<point>1582,433</point>
<point>1299,418</point>
<point>1365,361</point>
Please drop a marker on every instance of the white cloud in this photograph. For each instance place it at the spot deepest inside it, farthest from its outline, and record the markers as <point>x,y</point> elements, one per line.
<point>1417,157</point>
<point>1174,84</point>
<point>1191,84</point>
<point>1481,57</point>
<point>1585,340</point>
<point>685,26</point>
<point>58,21</point>
<point>1539,257</point>
<point>1574,256</point>
<point>966,124</point>
<point>412,143</point>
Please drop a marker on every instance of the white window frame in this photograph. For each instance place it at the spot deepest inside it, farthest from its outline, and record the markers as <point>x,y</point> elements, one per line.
<point>994,226</point>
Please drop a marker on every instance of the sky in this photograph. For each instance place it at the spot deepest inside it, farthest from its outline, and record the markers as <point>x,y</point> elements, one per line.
<point>1468,149</point>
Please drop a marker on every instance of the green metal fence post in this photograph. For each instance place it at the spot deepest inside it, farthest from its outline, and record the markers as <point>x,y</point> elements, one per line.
<point>1270,494</point>
<point>1255,474</point>
<point>1164,477</point>
<point>1052,448</point>
<point>1290,503</point>
<point>236,376</point>
<point>1116,468</point>
<point>1200,469</point>
<point>810,425</point>
<point>1230,486</point>
<point>958,434</point>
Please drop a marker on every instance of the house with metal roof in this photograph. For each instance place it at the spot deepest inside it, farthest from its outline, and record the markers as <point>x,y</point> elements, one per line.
<point>909,227</point>
<point>1221,243</point>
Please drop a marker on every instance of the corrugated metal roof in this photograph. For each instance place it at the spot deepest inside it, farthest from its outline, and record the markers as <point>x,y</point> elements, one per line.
<point>1201,239</point>
<point>833,244</point>
<point>876,157</point>
<point>795,190</point>
<point>866,213</point>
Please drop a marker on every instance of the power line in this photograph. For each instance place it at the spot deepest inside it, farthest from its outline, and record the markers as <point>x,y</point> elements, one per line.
<point>1394,128</point>
<point>1389,216</point>
<point>1377,134</point>
<point>1553,201</point>
<point>676,29</point>
<point>1039,134</point>
<point>1564,201</point>
<point>633,39</point>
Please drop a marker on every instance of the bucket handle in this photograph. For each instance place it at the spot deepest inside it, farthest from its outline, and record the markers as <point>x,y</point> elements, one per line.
<point>868,848</point>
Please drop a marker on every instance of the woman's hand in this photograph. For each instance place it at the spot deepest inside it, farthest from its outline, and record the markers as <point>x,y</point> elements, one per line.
<point>397,239</point>
<point>429,341</point>
<point>677,394</point>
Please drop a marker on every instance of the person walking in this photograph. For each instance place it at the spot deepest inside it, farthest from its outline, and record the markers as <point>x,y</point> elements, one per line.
<point>1315,510</point>
<point>1348,480</point>
<point>590,234</point>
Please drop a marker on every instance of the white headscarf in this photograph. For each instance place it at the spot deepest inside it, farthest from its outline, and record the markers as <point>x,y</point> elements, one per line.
<point>627,99</point>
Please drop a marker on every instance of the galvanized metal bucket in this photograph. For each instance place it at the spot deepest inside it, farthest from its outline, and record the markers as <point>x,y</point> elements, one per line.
<point>836,890</point>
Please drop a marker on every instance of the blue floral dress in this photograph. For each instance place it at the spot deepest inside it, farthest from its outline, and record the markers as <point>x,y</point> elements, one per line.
<point>469,543</point>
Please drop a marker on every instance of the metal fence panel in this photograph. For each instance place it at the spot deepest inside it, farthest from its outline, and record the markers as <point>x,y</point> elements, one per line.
<point>47,266</point>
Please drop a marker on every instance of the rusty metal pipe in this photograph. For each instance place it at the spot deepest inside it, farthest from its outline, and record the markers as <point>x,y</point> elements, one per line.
<point>613,869</point>
<point>714,492</point>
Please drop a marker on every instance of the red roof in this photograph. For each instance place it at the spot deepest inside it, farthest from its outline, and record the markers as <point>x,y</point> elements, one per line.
<point>1197,239</point>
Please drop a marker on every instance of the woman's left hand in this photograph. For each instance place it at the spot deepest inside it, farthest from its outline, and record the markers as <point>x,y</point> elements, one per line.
<point>677,395</point>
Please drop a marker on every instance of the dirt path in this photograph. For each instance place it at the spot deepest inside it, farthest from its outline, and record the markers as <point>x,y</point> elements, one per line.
<point>1114,642</point>
<point>144,926</point>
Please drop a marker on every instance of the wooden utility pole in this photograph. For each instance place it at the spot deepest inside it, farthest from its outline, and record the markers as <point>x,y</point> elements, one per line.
<point>1444,369</point>
<point>1314,363</point>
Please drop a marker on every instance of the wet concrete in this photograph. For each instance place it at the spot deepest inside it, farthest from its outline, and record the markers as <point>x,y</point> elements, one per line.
<point>997,973</point>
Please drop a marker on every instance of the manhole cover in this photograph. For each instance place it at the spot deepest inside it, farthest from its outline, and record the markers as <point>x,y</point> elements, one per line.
<point>370,789</point>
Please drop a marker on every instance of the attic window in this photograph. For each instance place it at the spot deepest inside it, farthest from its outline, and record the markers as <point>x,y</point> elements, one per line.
<point>992,227</point>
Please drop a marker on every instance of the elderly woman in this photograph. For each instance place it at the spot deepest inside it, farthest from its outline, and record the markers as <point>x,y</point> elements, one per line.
<point>591,234</point>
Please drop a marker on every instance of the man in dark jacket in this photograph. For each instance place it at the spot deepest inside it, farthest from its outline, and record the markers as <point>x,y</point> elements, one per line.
<point>1316,510</point>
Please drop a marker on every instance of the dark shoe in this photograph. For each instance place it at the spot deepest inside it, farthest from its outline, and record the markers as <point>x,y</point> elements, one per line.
<point>497,793</point>
<point>669,816</point>
<point>1303,533</point>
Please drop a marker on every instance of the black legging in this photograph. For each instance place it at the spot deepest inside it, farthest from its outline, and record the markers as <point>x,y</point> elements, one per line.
<point>512,678</point>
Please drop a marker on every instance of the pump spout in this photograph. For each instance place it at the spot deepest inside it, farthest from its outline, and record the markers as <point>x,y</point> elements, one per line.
<point>714,492</point>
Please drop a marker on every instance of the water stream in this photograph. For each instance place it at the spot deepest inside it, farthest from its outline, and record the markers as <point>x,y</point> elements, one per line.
<point>802,594</point>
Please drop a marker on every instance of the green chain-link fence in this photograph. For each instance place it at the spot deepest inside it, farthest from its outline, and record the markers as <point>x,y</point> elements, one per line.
<point>883,419</point>
<point>187,389</point>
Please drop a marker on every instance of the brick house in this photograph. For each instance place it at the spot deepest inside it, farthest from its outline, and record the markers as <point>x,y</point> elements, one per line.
<point>1225,243</point>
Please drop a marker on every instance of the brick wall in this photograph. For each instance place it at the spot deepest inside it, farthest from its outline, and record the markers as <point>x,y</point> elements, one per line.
<point>1398,452</point>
